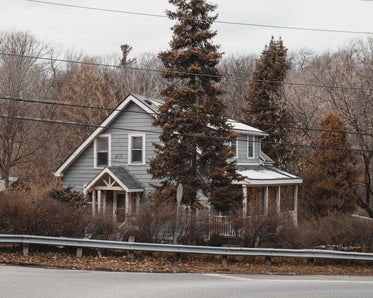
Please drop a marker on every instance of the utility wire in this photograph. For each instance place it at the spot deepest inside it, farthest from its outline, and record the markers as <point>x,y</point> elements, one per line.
<point>201,20</point>
<point>172,133</point>
<point>53,103</point>
<point>186,73</point>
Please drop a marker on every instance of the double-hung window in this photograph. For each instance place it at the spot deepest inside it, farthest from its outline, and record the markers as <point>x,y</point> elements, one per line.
<point>136,149</point>
<point>250,146</point>
<point>102,151</point>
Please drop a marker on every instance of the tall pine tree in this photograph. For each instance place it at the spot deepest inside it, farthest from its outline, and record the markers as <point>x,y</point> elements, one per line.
<point>192,149</point>
<point>329,180</point>
<point>264,95</point>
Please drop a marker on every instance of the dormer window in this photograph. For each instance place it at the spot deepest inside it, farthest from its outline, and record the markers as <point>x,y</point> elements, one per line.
<point>250,147</point>
<point>102,151</point>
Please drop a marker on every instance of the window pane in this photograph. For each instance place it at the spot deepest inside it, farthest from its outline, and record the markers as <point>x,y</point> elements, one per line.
<point>102,159</point>
<point>137,149</point>
<point>250,147</point>
<point>102,144</point>
<point>136,155</point>
<point>137,143</point>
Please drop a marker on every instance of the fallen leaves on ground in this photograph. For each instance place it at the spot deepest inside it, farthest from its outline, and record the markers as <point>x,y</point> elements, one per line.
<point>157,262</point>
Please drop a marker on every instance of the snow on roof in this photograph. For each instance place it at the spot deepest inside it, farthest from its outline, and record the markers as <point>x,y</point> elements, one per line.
<point>241,127</point>
<point>258,174</point>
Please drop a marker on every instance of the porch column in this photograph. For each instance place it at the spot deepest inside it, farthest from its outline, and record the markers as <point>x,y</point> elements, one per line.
<point>278,200</point>
<point>126,209</point>
<point>115,205</point>
<point>137,203</point>
<point>130,207</point>
<point>93,202</point>
<point>266,200</point>
<point>295,218</point>
<point>244,202</point>
<point>99,201</point>
<point>104,201</point>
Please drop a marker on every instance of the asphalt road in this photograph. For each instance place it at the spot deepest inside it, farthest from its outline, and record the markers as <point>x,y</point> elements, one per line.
<point>35,282</point>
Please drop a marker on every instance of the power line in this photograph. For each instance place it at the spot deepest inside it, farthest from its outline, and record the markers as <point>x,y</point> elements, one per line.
<point>172,133</point>
<point>311,129</point>
<point>186,73</point>
<point>201,20</point>
<point>165,115</point>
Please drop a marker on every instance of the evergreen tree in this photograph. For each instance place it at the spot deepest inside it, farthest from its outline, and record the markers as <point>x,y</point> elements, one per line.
<point>192,149</point>
<point>329,180</point>
<point>264,96</point>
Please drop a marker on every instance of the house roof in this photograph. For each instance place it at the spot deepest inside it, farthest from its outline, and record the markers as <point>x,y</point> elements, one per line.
<point>247,129</point>
<point>265,175</point>
<point>121,177</point>
<point>151,103</point>
<point>154,104</point>
<point>266,159</point>
<point>149,107</point>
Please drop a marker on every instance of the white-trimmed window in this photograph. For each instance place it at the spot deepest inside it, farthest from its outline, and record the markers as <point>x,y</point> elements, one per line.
<point>102,151</point>
<point>136,149</point>
<point>250,146</point>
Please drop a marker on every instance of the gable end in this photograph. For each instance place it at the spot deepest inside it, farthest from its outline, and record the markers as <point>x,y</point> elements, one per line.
<point>107,122</point>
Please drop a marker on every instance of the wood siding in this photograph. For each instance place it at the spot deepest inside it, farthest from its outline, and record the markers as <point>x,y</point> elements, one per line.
<point>137,121</point>
<point>242,153</point>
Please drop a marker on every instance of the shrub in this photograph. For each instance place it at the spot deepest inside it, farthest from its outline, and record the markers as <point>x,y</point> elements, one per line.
<point>68,195</point>
<point>153,223</point>
<point>101,226</point>
<point>333,232</point>
<point>260,231</point>
<point>21,213</point>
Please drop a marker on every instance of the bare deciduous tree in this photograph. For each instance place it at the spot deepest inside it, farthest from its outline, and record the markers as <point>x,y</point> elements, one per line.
<point>21,77</point>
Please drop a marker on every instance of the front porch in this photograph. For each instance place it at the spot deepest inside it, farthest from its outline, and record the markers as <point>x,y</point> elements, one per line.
<point>262,191</point>
<point>266,191</point>
<point>270,199</point>
<point>119,203</point>
<point>115,191</point>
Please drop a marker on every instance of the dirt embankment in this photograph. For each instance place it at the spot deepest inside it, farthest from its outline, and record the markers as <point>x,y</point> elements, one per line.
<point>157,262</point>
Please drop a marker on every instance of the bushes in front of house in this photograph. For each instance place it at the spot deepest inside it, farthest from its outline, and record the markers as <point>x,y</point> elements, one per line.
<point>156,223</point>
<point>335,231</point>
<point>25,213</point>
<point>46,215</point>
<point>73,198</point>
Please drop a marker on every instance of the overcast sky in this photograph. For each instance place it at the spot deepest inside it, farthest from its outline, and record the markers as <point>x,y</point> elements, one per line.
<point>102,33</point>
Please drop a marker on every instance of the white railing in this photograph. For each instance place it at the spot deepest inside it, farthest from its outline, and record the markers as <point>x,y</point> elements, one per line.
<point>222,226</point>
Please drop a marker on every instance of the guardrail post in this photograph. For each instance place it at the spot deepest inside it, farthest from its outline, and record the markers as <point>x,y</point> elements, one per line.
<point>268,261</point>
<point>130,252</point>
<point>79,252</point>
<point>224,260</point>
<point>25,249</point>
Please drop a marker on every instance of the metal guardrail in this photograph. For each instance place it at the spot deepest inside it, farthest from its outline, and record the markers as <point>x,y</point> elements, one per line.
<point>188,249</point>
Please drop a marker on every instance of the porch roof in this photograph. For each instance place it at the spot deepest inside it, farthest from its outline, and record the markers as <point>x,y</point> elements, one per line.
<point>121,178</point>
<point>265,175</point>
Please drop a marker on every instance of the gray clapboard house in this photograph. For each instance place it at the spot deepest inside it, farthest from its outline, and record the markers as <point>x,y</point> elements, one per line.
<point>111,164</point>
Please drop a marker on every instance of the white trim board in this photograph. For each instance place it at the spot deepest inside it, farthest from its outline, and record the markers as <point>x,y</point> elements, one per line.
<point>107,171</point>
